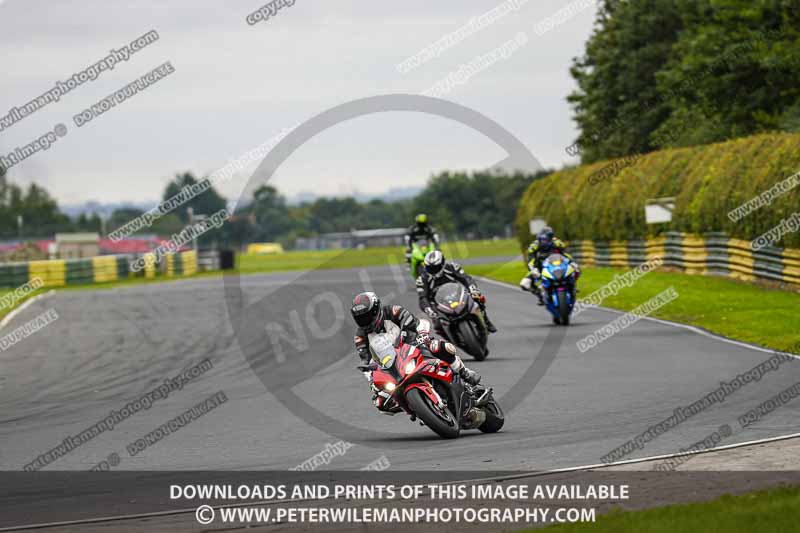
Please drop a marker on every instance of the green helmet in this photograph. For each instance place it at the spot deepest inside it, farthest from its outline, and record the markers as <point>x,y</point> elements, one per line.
<point>422,218</point>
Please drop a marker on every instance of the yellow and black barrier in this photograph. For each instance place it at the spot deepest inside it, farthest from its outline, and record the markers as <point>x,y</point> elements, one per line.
<point>182,264</point>
<point>101,269</point>
<point>711,253</point>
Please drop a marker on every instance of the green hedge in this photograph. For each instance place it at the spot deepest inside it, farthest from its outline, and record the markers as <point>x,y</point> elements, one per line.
<point>708,181</point>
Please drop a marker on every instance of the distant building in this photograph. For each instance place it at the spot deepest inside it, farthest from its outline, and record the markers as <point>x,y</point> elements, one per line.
<point>134,245</point>
<point>371,238</point>
<point>326,241</point>
<point>77,245</point>
<point>368,238</point>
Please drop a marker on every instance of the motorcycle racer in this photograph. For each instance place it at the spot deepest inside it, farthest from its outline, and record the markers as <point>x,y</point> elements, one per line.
<point>421,229</point>
<point>545,244</point>
<point>435,273</point>
<point>372,317</point>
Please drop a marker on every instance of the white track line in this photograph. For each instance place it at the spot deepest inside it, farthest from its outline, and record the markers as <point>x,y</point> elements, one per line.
<point>695,329</point>
<point>27,303</point>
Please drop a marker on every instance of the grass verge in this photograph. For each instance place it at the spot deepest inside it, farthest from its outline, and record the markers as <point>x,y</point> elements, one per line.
<point>774,510</point>
<point>8,308</point>
<point>740,310</point>
<point>306,260</point>
<point>327,259</point>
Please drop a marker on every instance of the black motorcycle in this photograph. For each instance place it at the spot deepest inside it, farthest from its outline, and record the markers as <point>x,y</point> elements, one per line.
<point>461,320</point>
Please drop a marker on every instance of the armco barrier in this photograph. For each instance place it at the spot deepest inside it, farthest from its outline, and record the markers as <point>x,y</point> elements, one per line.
<point>711,253</point>
<point>101,269</point>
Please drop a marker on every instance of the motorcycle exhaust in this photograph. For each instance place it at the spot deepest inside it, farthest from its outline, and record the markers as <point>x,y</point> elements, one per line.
<point>484,398</point>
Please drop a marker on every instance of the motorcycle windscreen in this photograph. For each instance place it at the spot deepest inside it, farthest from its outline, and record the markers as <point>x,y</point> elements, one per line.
<point>451,298</point>
<point>382,348</point>
<point>556,260</point>
<point>557,264</point>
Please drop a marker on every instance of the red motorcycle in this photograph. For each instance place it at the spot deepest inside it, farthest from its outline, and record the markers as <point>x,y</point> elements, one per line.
<point>412,380</point>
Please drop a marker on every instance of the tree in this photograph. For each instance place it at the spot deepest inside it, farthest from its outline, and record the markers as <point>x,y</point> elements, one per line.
<point>481,204</point>
<point>735,71</point>
<point>40,213</point>
<point>335,214</point>
<point>89,224</point>
<point>208,202</point>
<point>167,225</point>
<point>662,73</point>
<point>271,214</point>
<point>120,217</point>
<point>617,104</point>
<point>205,203</point>
<point>95,223</point>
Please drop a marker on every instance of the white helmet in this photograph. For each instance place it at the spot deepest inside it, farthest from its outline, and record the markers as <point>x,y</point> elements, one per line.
<point>434,263</point>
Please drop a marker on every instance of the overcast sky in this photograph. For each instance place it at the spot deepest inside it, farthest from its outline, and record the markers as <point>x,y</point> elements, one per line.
<point>237,85</point>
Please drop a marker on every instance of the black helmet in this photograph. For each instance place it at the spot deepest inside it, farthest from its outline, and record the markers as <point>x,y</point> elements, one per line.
<point>434,263</point>
<point>545,236</point>
<point>367,311</point>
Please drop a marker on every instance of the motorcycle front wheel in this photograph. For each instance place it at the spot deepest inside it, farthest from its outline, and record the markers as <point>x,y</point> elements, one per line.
<point>471,340</point>
<point>443,424</point>
<point>563,309</point>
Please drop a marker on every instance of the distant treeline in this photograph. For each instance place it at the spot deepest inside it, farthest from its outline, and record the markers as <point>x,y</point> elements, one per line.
<point>475,205</point>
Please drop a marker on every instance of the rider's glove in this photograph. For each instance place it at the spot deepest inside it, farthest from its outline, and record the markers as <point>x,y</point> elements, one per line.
<point>380,398</point>
<point>476,294</point>
<point>368,375</point>
<point>535,272</point>
<point>430,312</point>
<point>408,256</point>
<point>423,339</point>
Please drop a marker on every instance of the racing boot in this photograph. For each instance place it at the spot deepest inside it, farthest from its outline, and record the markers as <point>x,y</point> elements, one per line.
<point>538,292</point>
<point>470,376</point>
<point>491,327</point>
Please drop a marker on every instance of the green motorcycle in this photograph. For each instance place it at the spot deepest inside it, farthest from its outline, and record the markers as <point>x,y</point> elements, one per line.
<point>419,250</point>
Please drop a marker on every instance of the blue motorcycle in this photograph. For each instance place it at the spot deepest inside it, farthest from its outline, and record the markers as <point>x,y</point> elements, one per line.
<point>558,286</point>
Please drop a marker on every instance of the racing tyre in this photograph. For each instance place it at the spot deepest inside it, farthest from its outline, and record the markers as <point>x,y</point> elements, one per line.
<point>443,424</point>
<point>471,340</point>
<point>563,310</point>
<point>494,418</point>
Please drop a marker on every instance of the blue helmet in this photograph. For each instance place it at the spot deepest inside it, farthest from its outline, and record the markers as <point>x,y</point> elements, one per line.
<point>545,237</point>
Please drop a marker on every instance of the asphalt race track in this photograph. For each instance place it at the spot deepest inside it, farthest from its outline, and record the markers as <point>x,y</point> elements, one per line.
<point>109,347</point>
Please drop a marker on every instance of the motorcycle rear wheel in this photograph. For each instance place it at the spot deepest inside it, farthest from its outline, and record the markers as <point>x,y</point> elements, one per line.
<point>494,418</point>
<point>421,406</point>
